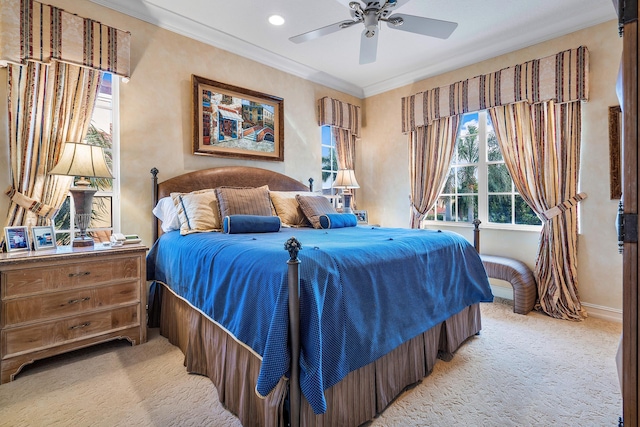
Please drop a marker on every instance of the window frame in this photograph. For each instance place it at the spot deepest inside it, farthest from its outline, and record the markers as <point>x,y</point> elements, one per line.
<point>114,193</point>
<point>483,187</point>
<point>328,130</point>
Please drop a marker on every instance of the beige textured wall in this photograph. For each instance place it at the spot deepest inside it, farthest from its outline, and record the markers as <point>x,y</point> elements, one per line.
<point>383,163</point>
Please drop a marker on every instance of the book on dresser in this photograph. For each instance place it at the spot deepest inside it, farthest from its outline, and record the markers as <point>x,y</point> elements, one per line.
<point>59,300</point>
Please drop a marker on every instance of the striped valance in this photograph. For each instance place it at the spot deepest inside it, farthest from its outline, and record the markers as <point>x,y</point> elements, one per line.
<point>563,77</point>
<point>32,31</point>
<point>333,112</point>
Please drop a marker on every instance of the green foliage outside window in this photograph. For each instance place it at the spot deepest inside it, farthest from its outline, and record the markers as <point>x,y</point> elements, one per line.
<point>460,196</point>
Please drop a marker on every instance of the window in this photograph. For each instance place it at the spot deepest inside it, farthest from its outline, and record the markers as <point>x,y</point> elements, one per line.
<point>479,184</point>
<point>102,132</point>
<point>329,161</point>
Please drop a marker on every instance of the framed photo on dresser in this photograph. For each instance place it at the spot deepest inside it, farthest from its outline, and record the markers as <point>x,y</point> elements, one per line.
<point>17,238</point>
<point>362,216</point>
<point>44,237</point>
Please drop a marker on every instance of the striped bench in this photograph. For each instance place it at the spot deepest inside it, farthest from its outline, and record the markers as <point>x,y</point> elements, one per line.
<point>519,275</point>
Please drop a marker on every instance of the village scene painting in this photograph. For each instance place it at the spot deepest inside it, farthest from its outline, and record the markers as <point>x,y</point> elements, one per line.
<point>237,125</point>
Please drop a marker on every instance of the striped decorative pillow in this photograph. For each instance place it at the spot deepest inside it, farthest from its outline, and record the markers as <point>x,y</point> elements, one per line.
<point>198,211</point>
<point>314,207</point>
<point>244,201</point>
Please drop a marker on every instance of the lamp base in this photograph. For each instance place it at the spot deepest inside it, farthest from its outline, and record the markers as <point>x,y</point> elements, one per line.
<point>80,242</point>
<point>346,207</point>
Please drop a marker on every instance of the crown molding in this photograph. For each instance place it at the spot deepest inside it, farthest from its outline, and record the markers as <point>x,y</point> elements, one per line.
<point>189,28</point>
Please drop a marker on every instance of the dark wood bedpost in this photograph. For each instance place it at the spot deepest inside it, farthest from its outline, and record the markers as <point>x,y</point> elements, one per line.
<point>293,246</point>
<point>311,184</point>
<point>476,234</point>
<point>154,195</point>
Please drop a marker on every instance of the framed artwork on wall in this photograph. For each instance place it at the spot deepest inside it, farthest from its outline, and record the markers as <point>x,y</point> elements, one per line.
<point>230,121</point>
<point>17,238</point>
<point>44,237</point>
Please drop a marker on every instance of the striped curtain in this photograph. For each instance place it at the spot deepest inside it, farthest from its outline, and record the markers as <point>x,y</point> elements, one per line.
<point>430,150</point>
<point>48,105</point>
<point>33,31</point>
<point>345,122</point>
<point>540,144</point>
<point>563,77</point>
<point>55,59</point>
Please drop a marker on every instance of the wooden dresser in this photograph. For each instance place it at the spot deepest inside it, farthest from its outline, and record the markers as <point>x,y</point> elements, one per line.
<point>60,300</point>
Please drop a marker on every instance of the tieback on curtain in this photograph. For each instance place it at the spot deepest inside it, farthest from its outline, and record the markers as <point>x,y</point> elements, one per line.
<point>562,207</point>
<point>40,209</point>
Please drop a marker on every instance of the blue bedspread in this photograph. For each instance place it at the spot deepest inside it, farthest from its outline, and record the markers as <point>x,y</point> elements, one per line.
<point>364,291</point>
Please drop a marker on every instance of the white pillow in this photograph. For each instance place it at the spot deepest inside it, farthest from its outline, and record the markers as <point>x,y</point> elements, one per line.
<point>166,212</point>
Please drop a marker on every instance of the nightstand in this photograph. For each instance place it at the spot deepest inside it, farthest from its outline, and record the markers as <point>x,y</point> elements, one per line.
<point>55,301</point>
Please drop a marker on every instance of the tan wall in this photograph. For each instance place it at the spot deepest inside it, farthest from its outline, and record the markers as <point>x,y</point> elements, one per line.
<point>385,184</point>
<point>156,114</point>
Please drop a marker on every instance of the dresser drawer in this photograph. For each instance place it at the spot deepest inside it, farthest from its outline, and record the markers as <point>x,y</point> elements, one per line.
<point>67,303</point>
<point>48,334</point>
<point>39,279</point>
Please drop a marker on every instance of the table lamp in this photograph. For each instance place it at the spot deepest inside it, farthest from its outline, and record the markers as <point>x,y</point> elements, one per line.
<point>84,161</point>
<point>346,179</point>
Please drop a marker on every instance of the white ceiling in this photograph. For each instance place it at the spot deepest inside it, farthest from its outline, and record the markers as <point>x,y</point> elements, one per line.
<point>486,28</point>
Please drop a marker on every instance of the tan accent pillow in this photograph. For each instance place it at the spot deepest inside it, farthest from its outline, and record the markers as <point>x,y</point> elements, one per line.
<point>314,207</point>
<point>288,209</point>
<point>244,201</point>
<point>198,211</point>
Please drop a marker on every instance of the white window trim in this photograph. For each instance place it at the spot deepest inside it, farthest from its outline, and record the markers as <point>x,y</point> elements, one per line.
<point>115,137</point>
<point>115,184</point>
<point>483,191</point>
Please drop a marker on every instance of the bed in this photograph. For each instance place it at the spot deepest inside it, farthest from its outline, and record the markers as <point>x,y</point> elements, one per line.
<point>376,307</point>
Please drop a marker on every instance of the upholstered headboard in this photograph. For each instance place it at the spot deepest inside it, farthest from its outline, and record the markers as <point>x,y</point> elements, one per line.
<point>228,176</point>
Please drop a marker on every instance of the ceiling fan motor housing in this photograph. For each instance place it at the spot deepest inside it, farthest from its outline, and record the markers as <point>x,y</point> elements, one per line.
<point>370,22</point>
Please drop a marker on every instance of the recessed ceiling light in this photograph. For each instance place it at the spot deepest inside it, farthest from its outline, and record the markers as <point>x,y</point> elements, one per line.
<point>276,20</point>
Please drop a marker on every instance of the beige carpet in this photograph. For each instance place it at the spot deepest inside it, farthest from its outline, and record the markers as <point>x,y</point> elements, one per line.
<point>520,371</point>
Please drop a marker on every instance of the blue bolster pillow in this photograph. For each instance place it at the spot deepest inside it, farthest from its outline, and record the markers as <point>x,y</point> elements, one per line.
<point>235,224</point>
<point>337,220</point>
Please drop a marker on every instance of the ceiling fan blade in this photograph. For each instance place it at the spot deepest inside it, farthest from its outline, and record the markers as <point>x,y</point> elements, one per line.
<point>314,34</point>
<point>368,48</point>
<point>425,26</point>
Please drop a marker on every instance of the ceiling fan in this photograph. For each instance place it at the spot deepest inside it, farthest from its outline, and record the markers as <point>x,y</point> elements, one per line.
<point>370,13</point>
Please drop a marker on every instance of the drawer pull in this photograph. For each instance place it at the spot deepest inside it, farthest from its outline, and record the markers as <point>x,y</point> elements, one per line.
<point>83,273</point>
<point>80,326</point>
<point>77,300</point>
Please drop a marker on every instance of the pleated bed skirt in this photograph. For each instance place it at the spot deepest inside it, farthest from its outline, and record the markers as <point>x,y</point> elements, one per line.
<point>233,368</point>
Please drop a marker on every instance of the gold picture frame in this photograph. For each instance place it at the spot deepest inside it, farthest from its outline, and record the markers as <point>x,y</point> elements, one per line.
<point>230,121</point>
<point>615,148</point>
